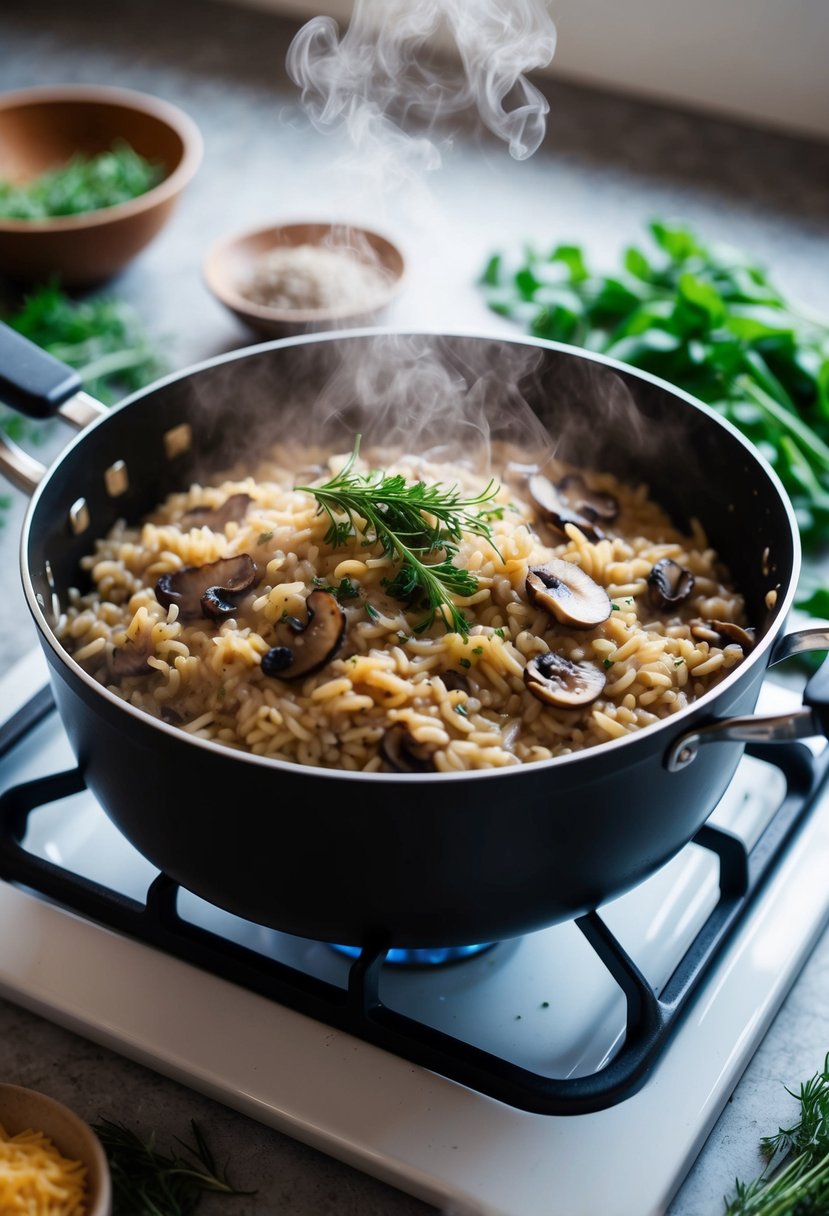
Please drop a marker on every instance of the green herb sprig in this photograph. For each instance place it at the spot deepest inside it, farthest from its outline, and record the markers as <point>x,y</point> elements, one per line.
<point>708,320</point>
<point>796,1177</point>
<point>84,183</point>
<point>410,521</point>
<point>147,1182</point>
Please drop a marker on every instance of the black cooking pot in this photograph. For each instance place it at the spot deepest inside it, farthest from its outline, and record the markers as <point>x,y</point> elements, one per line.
<point>411,860</point>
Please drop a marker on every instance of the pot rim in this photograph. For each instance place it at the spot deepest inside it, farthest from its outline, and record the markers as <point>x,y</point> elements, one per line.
<point>680,720</point>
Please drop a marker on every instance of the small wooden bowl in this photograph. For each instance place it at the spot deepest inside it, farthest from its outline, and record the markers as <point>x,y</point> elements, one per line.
<point>230,264</point>
<point>43,128</point>
<point>27,1109</point>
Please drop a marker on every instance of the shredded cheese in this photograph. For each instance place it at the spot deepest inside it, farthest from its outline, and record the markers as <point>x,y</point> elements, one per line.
<point>36,1180</point>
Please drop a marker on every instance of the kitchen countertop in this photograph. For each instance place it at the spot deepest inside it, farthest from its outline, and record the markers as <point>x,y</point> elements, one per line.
<point>607,165</point>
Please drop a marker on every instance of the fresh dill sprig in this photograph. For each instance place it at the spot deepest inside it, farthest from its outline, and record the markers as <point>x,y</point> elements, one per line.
<point>146,1182</point>
<point>796,1177</point>
<point>410,521</point>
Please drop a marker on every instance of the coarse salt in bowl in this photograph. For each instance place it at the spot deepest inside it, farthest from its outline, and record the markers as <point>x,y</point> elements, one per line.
<point>297,278</point>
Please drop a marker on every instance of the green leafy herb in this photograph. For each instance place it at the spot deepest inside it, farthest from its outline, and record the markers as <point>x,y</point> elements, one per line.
<point>344,590</point>
<point>411,521</point>
<point>477,650</point>
<point>461,709</point>
<point>101,337</point>
<point>607,664</point>
<point>147,1182</point>
<point>85,183</point>
<point>465,663</point>
<point>706,319</point>
<point>796,1177</point>
<point>264,537</point>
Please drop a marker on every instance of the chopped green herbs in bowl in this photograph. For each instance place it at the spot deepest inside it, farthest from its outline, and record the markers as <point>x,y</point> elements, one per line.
<point>89,175</point>
<point>84,183</point>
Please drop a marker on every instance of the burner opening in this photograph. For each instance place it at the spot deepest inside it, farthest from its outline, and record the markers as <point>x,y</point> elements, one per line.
<point>433,956</point>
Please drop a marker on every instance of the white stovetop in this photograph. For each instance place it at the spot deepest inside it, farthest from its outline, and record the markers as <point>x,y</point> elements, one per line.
<point>400,1122</point>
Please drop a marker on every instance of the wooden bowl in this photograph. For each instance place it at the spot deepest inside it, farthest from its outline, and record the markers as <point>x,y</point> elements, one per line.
<point>232,262</point>
<point>42,128</point>
<point>27,1109</point>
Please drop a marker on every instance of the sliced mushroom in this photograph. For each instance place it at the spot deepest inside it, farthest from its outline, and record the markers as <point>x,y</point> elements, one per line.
<point>593,504</point>
<point>557,510</point>
<point>455,681</point>
<point>405,754</point>
<point>721,633</point>
<point>232,509</point>
<point>669,584</point>
<point>556,680</point>
<point>207,590</point>
<point>131,658</point>
<point>569,594</point>
<point>314,643</point>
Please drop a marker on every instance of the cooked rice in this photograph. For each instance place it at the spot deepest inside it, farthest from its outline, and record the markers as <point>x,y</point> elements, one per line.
<point>207,677</point>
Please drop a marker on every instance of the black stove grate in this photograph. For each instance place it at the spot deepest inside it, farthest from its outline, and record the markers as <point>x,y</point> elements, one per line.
<point>358,1009</point>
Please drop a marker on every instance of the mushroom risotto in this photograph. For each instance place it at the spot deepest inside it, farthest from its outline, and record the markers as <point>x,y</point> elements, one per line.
<point>509,623</point>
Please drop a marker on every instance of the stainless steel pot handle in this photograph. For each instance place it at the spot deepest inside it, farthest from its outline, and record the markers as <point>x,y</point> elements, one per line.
<point>39,386</point>
<point>804,723</point>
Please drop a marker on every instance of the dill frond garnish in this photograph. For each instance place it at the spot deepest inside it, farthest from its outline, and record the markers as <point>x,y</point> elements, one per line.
<point>796,1177</point>
<point>412,522</point>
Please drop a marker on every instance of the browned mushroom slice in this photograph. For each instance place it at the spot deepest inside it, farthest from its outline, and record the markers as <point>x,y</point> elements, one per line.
<point>669,584</point>
<point>556,680</point>
<point>557,511</point>
<point>569,594</point>
<point>405,754</point>
<point>455,681</point>
<point>593,504</point>
<point>232,509</point>
<point>207,590</point>
<point>721,633</point>
<point>131,658</point>
<point>314,644</point>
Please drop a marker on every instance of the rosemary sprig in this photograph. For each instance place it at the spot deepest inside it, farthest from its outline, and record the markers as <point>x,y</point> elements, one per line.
<point>410,521</point>
<point>146,1182</point>
<point>796,1177</point>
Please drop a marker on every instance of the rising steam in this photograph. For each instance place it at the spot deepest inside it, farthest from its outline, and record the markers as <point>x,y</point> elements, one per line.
<point>384,73</point>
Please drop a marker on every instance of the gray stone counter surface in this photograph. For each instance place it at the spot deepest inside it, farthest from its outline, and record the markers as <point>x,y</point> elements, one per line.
<point>608,164</point>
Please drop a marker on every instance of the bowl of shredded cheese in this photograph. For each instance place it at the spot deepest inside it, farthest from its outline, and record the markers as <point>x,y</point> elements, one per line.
<point>51,1162</point>
<point>297,278</point>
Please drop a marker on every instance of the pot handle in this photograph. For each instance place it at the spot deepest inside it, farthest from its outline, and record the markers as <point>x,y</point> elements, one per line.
<point>39,386</point>
<point>804,723</point>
